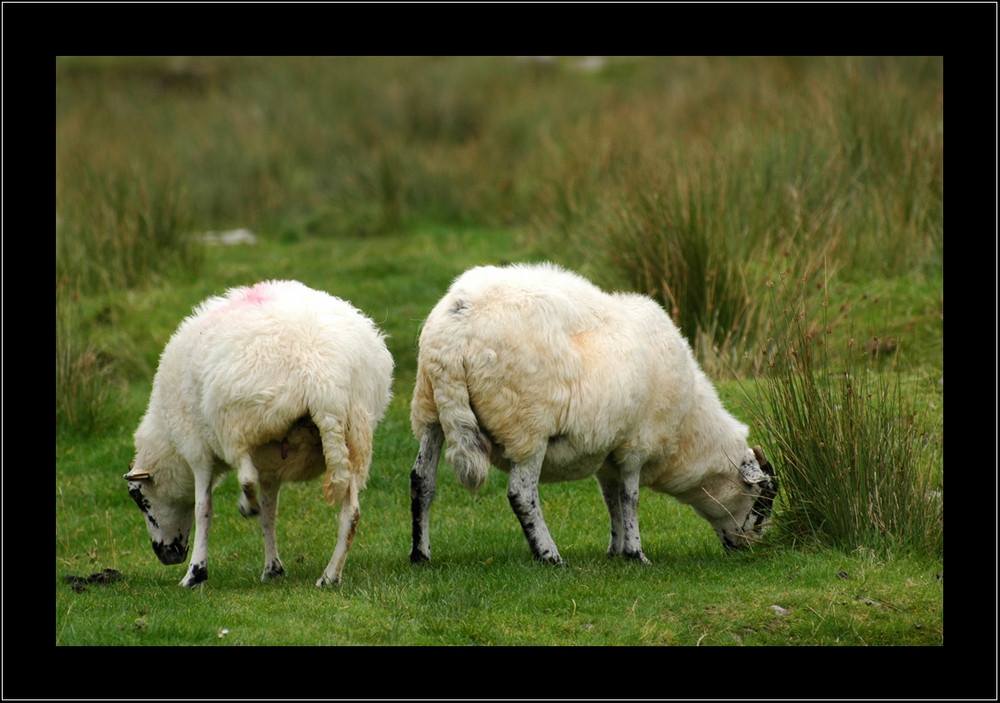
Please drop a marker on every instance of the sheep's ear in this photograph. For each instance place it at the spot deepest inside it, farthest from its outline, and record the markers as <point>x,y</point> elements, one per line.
<point>135,474</point>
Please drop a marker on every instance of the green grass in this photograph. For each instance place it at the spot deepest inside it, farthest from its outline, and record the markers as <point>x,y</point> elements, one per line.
<point>482,586</point>
<point>380,180</point>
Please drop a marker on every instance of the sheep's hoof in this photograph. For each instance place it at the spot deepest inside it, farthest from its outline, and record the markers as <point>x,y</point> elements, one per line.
<point>551,559</point>
<point>325,580</point>
<point>418,557</point>
<point>273,571</point>
<point>196,575</point>
<point>636,556</point>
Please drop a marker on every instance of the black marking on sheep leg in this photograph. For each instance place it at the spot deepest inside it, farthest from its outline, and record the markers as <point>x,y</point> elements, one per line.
<point>620,490</point>
<point>272,570</point>
<point>631,541</point>
<point>420,499</point>
<point>423,485</point>
<point>531,532</point>
<point>198,568</point>
<point>197,573</point>
<point>522,493</point>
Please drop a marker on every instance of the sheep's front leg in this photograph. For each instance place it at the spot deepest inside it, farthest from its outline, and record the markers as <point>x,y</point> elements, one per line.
<point>423,485</point>
<point>268,517</point>
<point>198,566</point>
<point>522,492</point>
<point>347,525</point>
<point>629,500</point>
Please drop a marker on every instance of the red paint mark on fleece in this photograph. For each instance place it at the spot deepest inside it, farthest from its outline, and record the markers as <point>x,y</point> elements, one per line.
<point>256,295</point>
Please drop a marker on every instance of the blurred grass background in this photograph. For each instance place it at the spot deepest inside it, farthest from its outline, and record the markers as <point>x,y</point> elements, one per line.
<point>777,207</point>
<point>693,179</point>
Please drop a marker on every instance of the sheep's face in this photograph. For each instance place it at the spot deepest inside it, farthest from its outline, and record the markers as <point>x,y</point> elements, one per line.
<point>740,510</point>
<point>168,521</point>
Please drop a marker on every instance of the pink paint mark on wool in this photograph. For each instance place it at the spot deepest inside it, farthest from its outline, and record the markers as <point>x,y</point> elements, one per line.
<point>260,293</point>
<point>252,297</point>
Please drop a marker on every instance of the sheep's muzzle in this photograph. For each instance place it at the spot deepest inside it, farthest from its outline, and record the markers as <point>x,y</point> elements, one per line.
<point>173,553</point>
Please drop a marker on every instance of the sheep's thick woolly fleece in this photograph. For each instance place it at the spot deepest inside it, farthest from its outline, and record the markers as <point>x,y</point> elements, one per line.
<point>279,381</point>
<point>535,370</point>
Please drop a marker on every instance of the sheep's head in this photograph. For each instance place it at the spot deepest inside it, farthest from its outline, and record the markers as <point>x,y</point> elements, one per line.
<point>168,521</point>
<point>740,510</point>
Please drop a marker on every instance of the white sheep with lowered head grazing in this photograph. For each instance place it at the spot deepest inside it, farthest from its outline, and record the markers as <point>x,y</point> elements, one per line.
<point>534,369</point>
<point>279,381</point>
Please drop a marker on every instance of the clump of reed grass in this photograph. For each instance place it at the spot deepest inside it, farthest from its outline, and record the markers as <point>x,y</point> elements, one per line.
<point>844,161</point>
<point>671,248</point>
<point>84,374</point>
<point>853,470</point>
<point>118,227</point>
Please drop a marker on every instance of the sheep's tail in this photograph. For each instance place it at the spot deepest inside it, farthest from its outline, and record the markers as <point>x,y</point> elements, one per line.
<point>446,400</point>
<point>347,448</point>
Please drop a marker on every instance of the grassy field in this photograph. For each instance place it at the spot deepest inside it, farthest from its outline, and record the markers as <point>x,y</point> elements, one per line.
<point>482,587</point>
<point>380,180</point>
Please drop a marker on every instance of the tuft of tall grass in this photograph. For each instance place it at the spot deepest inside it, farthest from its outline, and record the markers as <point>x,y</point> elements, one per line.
<point>119,226</point>
<point>844,163</point>
<point>116,229</point>
<point>84,375</point>
<point>853,467</point>
<point>672,247</point>
<point>705,244</point>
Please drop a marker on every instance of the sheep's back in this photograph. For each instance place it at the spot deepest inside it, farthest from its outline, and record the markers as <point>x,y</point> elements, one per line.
<point>546,354</point>
<point>251,363</point>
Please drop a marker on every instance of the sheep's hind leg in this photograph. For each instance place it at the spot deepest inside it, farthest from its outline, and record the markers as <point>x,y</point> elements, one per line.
<point>249,484</point>
<point>522,492</point>
<point>268,517</point>
<point>423,485</point>
<point>347,525</point>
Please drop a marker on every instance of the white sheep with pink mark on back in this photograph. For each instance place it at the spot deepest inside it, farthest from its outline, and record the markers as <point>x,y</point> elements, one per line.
<point>534,369</point>
<point>279,381</point>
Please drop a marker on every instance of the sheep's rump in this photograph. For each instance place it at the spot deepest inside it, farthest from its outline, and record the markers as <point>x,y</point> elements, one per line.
<point>245,369</point>
<point>543,358</point>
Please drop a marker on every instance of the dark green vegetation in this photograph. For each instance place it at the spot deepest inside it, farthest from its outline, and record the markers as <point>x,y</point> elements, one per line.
<point>787,212</point>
